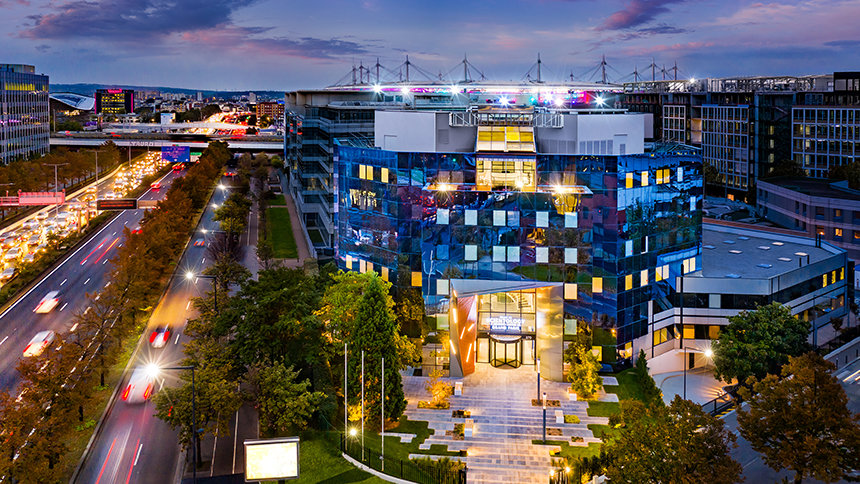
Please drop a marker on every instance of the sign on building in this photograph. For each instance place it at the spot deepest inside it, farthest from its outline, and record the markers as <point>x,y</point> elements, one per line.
<point>271,459</point>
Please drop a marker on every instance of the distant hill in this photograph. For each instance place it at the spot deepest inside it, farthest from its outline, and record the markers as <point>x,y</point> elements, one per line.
<point>90,89</point>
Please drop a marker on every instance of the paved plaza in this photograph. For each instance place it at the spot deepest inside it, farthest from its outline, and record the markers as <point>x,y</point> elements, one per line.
<point>500,401</point>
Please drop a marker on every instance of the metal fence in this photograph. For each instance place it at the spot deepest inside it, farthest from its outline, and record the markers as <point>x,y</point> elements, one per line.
<point>404,469</point>
<point>719,404</point>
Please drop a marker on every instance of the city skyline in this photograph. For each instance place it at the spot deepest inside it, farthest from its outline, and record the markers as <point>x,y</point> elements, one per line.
<point>264,45</point>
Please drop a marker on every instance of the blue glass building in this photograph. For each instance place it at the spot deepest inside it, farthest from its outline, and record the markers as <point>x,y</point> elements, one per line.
<point>515,250</point>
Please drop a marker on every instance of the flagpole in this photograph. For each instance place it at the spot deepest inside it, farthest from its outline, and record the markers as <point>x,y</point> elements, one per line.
<point>362,405</point>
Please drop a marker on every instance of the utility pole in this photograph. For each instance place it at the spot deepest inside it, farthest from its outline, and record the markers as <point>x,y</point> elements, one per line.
<point>382,411</point>
<point>56,181</point>
<point>362,406</point>
<point>345,401</point>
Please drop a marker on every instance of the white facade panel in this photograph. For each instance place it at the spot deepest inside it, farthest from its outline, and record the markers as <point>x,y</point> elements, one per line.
<point>405,131</point>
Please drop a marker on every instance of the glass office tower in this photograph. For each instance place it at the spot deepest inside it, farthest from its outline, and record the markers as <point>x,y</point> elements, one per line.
<point>514,252</point>
<point>24,127</point>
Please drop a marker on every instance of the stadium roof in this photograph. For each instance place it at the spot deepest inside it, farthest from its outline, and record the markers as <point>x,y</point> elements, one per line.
<point>74,101</point>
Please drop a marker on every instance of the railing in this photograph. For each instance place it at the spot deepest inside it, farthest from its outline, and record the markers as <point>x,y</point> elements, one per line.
<point>404,469</point>
<point>719,404</point>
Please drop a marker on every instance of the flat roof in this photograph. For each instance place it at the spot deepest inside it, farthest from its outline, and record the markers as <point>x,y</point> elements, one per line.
<point>816,187</point>
<point>733,252</point>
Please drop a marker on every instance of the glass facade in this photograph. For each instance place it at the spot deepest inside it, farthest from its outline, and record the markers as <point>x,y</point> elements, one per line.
<point>24,121</point>
<point>609,233</point>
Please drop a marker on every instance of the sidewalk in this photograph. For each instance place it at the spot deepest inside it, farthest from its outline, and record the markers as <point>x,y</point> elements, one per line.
<point>298,234</point>
<point>702,387</point>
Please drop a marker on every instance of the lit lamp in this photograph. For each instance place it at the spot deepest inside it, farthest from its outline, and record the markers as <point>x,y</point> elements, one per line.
<point>538,378</point>
<point>544,417</point>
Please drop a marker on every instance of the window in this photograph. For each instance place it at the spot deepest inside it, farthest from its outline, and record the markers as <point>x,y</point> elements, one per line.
<point>680,173</point>
<point>499,218</point>
<point>837,233</point>
<point>361,172</point>
<point>542,219</point>
<point>661,273</point>
<point>471,217</point>
<point>661,336</point>
<point>442,287</point>
<point>857,236</point>
<point>837,213</point>
<point>384,177</point>
<point>570,220</point>
<point>513,218</point>
<point>628,282</point>
<point>570,291</point>
<point>644,178</point>
<point>349,262</point>
<point>514,254</point>
<point>542,255</point>
<point>498,253</point>
<point>628,180</point>
<point>643,278</point>
<point>570,255</point>
<point>628,248</point>
<point>442,216</point>
<point>471,252</point>
<point>416,279</point>
<point>597,284</point>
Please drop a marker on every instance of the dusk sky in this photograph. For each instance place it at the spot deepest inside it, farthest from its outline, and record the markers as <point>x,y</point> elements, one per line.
<point>284,45</point>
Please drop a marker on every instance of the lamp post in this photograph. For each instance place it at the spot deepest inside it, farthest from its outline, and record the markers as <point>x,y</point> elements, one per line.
<point>190,275</point>
<point>56,180</point>
<point>538,378</point>
<point>544,417</point>
<point>153,370</point>
<point>681,303</point>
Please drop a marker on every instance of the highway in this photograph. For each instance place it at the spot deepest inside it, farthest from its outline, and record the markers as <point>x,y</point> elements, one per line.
<point>81,272</point>
<point>133,445</point>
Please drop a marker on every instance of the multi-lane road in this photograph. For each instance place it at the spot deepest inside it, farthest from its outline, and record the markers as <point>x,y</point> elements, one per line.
<point>133,445</point>
<point>81,272</point>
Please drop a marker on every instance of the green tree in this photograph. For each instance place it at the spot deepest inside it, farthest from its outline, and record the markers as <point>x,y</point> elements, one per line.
<point>583,377</point>
<point>233,214</point>
<point>801,422</point>
<point>284,403</point>
<point>787,167</point>
<point>650,393</point>
<point>209,110</point>
<point>340,303</point>
<point>379,337</point>
<point>756,343</point>
<point>265,252</point>
<point>409,311</point>
<point>678,443</point>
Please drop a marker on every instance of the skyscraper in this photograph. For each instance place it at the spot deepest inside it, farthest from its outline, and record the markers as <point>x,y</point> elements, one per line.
<point>24,119</point>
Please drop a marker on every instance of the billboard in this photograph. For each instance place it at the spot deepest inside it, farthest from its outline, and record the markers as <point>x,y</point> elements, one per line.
<point>176,154</point>
<point>116,204</point>
<point>267,459</point>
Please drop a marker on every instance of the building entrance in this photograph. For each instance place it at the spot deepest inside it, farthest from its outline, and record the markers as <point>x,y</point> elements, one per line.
<point>506,351</point>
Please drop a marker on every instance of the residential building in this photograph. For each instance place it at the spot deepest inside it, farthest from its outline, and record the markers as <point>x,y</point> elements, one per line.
<point>272,109</point>
<point>522,226</point>
<point>24,112</point>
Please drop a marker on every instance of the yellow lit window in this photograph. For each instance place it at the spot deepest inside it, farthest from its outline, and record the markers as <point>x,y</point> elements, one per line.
<point>643,278</point>
<point>628,282</point>
<point>570,291</point>
<point>362,266</point>
<point>384,177</point>
<point>384,274</point>
<point>842,274</point>
<point>833,277</point>
<point>689,331</point>
<point>824,279</point>
<point>597,285</point>
<point>628,182</point>
<point>644,178</point>
<point>713,332</point>
<point>416,279</point>
<point>349,266</point>
<point>361,172</point>
<point>837,232</point>
<point>660,336</point>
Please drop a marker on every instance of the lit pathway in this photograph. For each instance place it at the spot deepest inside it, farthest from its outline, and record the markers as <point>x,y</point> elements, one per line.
<point>501,449</point>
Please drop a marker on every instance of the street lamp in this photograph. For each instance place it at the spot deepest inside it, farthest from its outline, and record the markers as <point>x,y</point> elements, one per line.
<point>538,377</point>
<point>190,275</point>
<point>544,417</point>
<point>153,370</point>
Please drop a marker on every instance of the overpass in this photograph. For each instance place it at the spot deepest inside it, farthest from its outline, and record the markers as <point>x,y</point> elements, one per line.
<point>240,145</point>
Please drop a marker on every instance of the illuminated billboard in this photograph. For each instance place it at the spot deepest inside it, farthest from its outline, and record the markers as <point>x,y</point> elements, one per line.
<point>176,154</point>
<point>267,459</point>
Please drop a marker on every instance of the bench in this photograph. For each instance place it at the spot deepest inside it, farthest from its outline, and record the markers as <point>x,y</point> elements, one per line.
<point>468,427</point>
<point>559,416</point>
<point>458,388</point>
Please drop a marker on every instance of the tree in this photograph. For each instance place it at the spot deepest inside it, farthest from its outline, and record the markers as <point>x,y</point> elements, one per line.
<point>801,422</point>
<point>756,343</point>
<point>379,337</point>
<point>678,443</point>
<point>340,303</point>
<point>849,171</point>
<point>265,252</point>
<point>787,167</point>
<point>209,110</point>
<point>409,311</point>
<point>233,214</point>
<point>650,393</point>
<point>583,377</point>
<point>439,389</point>
<point>284,403</point>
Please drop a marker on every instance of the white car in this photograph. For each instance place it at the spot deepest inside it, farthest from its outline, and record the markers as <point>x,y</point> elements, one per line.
<point>8,273</point>
<point>48,303</point>
<point>12,254</point>
<point>39,343</point>
<point>139,388</point>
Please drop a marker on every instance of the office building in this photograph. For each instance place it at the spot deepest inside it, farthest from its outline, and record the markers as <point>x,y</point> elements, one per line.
<point>343,114</point>
<point>114,102</point>
<point>24,112</point>
<point>272,109</point>
<point>521,225</point>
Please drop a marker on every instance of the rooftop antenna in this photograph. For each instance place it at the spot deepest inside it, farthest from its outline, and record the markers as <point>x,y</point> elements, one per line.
<point>663,71</point>
<point>361,72</point>
<point>353,74</point>
<point>635,73</point>
<point>466,68</point>
<point>538,68</point>
<point>674,70</point>
<point>571,76</point>
<point>407,68</point>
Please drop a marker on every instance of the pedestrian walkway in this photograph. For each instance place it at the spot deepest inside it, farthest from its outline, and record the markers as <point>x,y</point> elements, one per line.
<point>500,449</point>
<point>301,239</point>
<point>701,386</point>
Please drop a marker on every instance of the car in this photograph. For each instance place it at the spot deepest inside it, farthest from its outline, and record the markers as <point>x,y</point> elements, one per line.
<point>159,336</point>
<point>48,303</point>
<point>139,387</point>
<point>39,343</point>
<point>29,258</point>
<point>34,240</point>
<point>199,243</point>
<point>136,230</point>
<point>155,185</point>
<point>8,273</point>
<point>12,254</point>
<point>42,215</point>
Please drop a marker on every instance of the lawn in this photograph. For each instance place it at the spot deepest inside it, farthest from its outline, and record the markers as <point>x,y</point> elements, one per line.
<point>628,387</point>
<point>280,233</point>
<point>320,461</point>
<point>277,200</point>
